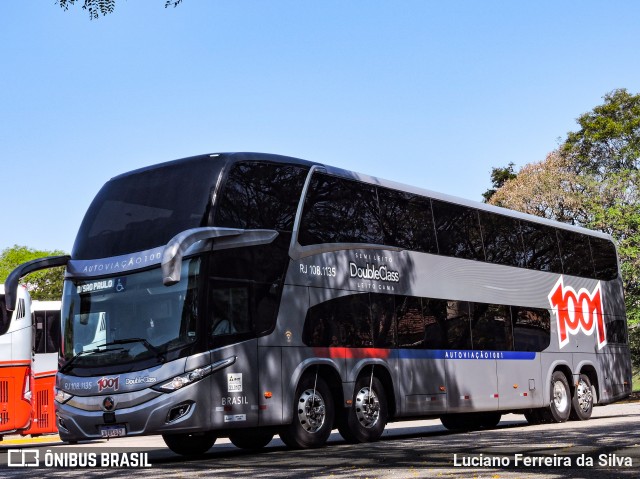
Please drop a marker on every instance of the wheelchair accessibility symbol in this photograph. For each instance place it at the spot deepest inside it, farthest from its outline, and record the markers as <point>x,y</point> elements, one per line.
<point>121,285</point>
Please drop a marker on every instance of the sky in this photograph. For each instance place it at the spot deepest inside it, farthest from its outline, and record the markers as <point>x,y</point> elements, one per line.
<point>432,94</point>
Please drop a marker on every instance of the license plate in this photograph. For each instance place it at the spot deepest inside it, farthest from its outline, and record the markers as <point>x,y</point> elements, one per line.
<point>113,431</point>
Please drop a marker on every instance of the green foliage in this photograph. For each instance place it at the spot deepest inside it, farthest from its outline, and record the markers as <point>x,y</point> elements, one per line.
<point>42,285</point>
<point>103,7</point>
<point>499,176</point>
<point>609,136</point>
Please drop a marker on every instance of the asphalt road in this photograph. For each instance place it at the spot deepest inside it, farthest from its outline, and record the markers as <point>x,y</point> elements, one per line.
<point>606,446</point>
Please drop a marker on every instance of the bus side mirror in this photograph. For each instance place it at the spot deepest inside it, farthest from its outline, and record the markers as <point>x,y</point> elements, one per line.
<point>223,238</point>
<point>11,283</point>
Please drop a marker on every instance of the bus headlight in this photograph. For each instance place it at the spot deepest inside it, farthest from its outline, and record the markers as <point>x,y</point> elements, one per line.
<point>61,396</point>
<point>183,380</point>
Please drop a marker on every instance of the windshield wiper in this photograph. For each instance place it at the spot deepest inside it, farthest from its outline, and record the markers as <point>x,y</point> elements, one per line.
<point>68,364</point>
<point>103,348</point>
<point>146,344</point>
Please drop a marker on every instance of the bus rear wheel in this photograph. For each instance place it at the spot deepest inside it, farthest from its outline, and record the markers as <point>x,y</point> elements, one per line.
<point>313,414</point>
<point>367,417</point>
<point>251,438</point>
<point>190,444</point>
<point>560,406</point>
<point>582,401</point>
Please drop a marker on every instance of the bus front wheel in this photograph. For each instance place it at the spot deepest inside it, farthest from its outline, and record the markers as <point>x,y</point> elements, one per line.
<point>190,444</point>
<point>251,438</point>
<point>313,414</point>
<point>367,417</point>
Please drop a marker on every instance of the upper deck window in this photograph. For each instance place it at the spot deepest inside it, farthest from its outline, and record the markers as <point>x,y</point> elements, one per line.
<point>458,230</point>
<point>145,209</point>
<point>338,210</point>
<point>260,195</point>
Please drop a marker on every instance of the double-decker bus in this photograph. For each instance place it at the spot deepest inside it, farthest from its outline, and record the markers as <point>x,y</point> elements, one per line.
<point>242,295</point>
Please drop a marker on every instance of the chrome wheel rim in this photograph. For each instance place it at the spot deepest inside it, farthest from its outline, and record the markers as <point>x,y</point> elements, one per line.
<point>367,408</point>
<point>560,396</point>
<point>311,411</point>
<point>585,398</point>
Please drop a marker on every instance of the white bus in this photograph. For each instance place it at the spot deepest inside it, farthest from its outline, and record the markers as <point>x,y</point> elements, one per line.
<point>245,294</point>
<point>29,344</point>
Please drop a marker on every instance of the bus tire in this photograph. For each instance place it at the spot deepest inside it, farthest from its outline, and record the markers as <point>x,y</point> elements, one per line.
<point>582,401</point>
<point>194,444</point>
<point>313,414</point>
<point>367,417</point>
<point>560,406</point>
<point>251,438</point>
<point>489,420</point>
<point>534,416</point>
<point>457,422</point>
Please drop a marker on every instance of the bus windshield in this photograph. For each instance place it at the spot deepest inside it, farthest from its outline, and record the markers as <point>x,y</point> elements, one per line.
<point>128,318</point>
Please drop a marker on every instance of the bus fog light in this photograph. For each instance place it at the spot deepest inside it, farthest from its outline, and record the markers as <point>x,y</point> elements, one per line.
<point>178,411</point>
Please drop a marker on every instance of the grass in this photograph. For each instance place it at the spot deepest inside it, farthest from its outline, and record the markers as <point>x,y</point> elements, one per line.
<point>635,383</point>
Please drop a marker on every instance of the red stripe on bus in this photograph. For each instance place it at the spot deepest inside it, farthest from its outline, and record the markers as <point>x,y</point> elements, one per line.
<point>352,353</point>
<point>4,364</point>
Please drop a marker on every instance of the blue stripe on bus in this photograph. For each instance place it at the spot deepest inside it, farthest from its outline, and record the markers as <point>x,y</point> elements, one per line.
<point>464,354</point>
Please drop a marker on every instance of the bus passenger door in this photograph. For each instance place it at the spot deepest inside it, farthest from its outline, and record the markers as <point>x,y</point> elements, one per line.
<point>234,400</point>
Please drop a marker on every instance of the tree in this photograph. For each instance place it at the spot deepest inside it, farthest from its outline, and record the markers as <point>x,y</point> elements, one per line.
<point>609,136</point>
<point>593,180</point>
<point>499,176</point>
<point>103,7</point>
<point>42,285</point>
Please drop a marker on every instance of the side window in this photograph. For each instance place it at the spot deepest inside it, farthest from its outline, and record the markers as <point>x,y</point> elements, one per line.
<point>407,221</point>
<point>383,320</point>
<point>260,195</point>
<point>343,321</point>
<point>457,326</point>
<point>231,310</point>
<point>605,260</point>
<point>54,338</point>
<point>338,210</point>
<point>491,327</point>
<point>39,339</point>
<point>541,247</point>
<point>576,254</point>
<point>5,317</point>
<point>458,231</point>
<point>616,329</point>
<point>422,323</point>
<point>531,329</point>
<point>47,331</point>
<point>411,327</point>
<point>502,239</point>
<point>434,312</point>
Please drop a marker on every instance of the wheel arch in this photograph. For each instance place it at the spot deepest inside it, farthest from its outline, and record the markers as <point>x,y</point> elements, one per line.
<point>591,372</point>
<point>380,371</point>
<point>327,369</point>
<point>565,369</point>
